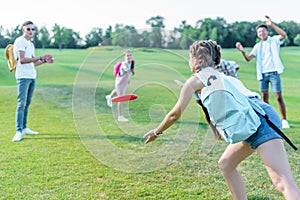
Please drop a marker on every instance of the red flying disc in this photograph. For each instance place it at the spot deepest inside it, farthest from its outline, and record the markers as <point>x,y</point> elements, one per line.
<point>126,97</point>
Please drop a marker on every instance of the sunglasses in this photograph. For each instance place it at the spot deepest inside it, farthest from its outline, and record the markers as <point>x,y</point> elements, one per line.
<point>28,29</point>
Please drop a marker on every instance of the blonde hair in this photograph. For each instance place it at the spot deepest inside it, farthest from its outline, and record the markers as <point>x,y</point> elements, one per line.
<point>207,52</point>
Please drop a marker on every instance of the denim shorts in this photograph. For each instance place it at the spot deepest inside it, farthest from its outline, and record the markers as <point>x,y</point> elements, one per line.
<point>265,132</point>
<point>270,77</point>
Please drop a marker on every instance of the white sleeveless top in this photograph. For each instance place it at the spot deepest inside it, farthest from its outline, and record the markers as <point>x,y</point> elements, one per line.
<point>229,110</point>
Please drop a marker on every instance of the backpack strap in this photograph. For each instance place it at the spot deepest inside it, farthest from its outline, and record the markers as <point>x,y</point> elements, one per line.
<point>261,112</point>
<point>278,131</point>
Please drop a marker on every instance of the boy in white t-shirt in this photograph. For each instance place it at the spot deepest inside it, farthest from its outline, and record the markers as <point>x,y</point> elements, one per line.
<point>24,52</point>
<point>268,63</point>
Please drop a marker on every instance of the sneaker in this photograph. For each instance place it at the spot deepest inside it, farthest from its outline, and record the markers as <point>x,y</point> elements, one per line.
<point>17,137</point>
<point>122,119</point>
<point>285,124</point>
<point>27,131</point>
<point>108,100</point>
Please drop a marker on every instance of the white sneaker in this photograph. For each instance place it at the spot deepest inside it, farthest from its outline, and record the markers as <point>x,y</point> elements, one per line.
<point>108,100</point>
<point>27,131</point>
<point>285,124</point>
<point>17,137</point>
<point>122,119</point>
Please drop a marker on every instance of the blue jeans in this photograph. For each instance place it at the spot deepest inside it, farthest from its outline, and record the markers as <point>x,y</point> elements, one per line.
<point>25,89</point>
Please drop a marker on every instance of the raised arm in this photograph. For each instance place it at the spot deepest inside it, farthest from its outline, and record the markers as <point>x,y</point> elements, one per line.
<point>281,32</point>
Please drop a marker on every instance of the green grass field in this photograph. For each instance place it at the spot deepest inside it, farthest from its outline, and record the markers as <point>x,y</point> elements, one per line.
<point>82,152</point>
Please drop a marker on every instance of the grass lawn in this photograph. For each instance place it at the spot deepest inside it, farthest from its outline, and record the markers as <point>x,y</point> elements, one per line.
<point>83,152</point>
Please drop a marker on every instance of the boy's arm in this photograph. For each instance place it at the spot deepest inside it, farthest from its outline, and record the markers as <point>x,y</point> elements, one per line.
<point>281,32</point>
<point>240,47</point>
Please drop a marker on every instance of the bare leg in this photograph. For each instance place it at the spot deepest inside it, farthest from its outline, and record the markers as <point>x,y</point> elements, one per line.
<point>281,104</point>
<point>120,109</point>
<point>265,96</point>
<point>113,93</point>
<point>109,97</point>
<point>274,156</point>
<point>228,162</point>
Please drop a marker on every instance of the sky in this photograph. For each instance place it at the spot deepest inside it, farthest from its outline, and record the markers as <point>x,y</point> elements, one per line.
<point>83,15</point>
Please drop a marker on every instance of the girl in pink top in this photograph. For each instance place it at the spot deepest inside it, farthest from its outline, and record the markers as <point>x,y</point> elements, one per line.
<point>121,82</point>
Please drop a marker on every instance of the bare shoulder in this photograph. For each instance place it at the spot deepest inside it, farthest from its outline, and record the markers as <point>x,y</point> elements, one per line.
<point>195,83</point>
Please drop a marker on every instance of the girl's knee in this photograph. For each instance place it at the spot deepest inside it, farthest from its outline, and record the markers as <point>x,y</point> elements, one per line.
<point>277,182</point>
<point>224,165</point>
<point>285,185</point>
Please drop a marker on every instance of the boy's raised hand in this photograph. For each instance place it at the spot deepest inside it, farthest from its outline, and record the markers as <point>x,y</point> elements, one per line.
<point>269,21</point>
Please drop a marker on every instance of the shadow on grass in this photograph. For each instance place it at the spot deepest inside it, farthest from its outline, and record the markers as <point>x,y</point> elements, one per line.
<point>202,124</point>
<point>51,137</point>
<point>124,138</point>
<point>294,124</point>
<point>121,138</point>
<point>258,198</point>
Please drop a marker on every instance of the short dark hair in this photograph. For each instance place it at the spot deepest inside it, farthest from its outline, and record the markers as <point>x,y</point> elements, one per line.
<point>261,26</point>
<point>27,23</point>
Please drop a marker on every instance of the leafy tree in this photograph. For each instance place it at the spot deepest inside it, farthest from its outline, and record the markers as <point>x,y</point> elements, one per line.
<point>286,41</point>
<point>187,34</point>
<point>107,36</point>
<point>59,36</point>
<point>94,38</point>
<point>72,39</point>
<point>44,37</point>
<point>297,40</point>
<point>3,41</point>
<point>125,36</point>
<point>181,37</point>
<point>14,33</point>
<point>291,28</point>
<point>245,33</point>
<point>213,29</point>
<point>188,37</point>
<point>144,40</point>
<point>157,24</point>
<point>214,34</point>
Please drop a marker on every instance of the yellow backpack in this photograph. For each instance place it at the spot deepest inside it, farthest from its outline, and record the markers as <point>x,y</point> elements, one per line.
<point>9,55</point>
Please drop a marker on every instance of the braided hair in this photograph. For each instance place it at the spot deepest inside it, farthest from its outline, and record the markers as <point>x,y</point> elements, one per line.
<point>207,52</point>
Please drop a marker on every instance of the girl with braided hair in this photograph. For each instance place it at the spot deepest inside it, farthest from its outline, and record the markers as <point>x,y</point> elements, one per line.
<point>231,115</point>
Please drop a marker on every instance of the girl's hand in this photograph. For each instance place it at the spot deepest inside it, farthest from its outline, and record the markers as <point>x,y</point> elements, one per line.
<point>124,67</point>
<point>151,135</point>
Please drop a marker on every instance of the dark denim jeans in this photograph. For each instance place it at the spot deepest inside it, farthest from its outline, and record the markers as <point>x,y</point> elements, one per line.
<point>25,89</point>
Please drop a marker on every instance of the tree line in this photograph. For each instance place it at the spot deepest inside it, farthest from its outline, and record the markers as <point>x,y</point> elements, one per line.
<point>156,36</point>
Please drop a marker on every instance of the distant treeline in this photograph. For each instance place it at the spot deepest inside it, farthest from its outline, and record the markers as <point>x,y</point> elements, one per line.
<point>156,36</point>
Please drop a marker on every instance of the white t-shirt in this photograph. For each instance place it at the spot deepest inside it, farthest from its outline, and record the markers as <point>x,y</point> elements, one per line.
<point>24,70</point>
